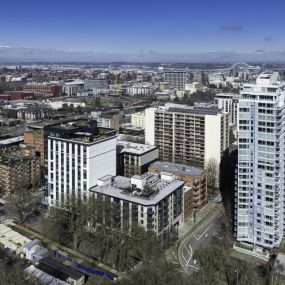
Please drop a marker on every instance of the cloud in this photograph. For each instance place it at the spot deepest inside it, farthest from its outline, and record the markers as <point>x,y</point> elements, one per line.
<point>259,51</point>
<point>268,38</point>
<point>232,27</point>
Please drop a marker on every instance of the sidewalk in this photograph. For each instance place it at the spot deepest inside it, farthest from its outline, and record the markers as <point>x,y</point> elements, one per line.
<point>188,228</point>
<point>209,214</point>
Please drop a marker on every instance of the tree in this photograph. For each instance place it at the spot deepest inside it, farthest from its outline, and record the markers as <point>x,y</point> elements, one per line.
<point>216,267</point>
<point>121,106</point>
<point>68,223</point>
<point>97,229</point>
<point>23,205</point>
<point>212,168</point>
<point>55,225</point>
<point>274,271</point>
<point>156,272</point>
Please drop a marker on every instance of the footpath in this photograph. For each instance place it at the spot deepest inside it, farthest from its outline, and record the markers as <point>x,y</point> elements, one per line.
<point>200,216</point>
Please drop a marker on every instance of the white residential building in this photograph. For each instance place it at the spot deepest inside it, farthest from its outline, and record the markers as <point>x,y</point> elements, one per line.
<point>260,172</point>
<point>228,102</point>
<point>140,89</point>
<point>154,202</point>
<point>55,105</point>
<point>77,158</point>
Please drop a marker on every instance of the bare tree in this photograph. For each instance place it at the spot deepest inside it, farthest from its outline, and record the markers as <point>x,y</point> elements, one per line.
<point>96,230</point>
<point>212,168</point>
<point>23,205</point>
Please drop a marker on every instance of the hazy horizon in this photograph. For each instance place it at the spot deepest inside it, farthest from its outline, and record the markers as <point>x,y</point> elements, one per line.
<point>164,30</point>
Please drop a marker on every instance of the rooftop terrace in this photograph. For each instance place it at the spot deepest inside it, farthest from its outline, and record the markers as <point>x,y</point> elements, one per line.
<point>147,189</point>
<point>15,153</point>
<point>81,131</point>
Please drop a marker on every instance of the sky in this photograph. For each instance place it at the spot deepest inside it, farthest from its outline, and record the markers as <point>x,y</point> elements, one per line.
<point>154,27</point>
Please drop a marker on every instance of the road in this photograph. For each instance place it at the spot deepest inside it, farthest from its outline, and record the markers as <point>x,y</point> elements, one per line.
<point>202,235</point>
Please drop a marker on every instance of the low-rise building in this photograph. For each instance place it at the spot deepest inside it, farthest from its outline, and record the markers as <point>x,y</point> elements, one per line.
<point>11,141</point>
<point>137,119</point>
<point>140,89</point>
<point>195,178</point>
<point>43,88</point>
<point>163,86</point>
<point>218,79</point>
<point>43,277</point>
<point>18,95</point>
<point>106,120</point>
<point>73,87</point>
<point>193,87</point>
<point>12,239</point>
<point>61,271</point>
<point>134,158</point>
<point>10,122</point>
<point>154,202</point>
<point>34,251</point>
<point>31,114</point>
<point>60,104</point>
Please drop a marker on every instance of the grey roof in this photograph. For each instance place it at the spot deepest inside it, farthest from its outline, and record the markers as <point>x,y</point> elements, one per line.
<point>31,244</point>
<point>12,140</point>
<point>55,265</point>
<point>118,189</point>
<point>177,168</point>
<point>135,148</point>
<point>44,277</point>
<point>30,109</point>
<point>195,110</point>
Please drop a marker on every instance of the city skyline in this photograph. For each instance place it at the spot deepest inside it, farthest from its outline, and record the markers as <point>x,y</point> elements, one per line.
<point>163,30</point>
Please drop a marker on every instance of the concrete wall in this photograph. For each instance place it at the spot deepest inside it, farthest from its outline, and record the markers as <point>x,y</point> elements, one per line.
<point>149,126</point>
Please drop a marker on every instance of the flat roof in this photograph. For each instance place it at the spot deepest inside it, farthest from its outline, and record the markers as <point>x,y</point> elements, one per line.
<point>179,108</point>
<point>53,264</point>
<point>44,277</point>
<point>120,186</point>
<point>135,148</point>
<point>177,168</point>
<point>12,140</point>
<point>12,239</point>
<point>195,110</point>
